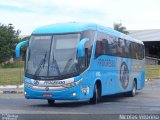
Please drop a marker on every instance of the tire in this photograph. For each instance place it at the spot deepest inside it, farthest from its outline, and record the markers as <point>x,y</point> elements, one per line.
<point>96,95</point>
<point>132,93</point>
<point>51,102</point>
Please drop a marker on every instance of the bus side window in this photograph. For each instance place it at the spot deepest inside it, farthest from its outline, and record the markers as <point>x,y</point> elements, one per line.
<point>98,48</point>
<point>120,47</point>
<point>101,43</point>
<point>141,52</point>
<point>130,50</point>
<point>127,49</point>
<point>112,45</point>
<point>135,51</point>
<point>104,46</point>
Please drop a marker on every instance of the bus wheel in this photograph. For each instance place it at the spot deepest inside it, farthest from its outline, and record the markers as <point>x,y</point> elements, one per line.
<point>96,95</point>
<point>132,93</point>
<point>51,102</point>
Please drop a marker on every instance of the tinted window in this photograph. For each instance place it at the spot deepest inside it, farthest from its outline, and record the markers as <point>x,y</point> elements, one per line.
<point>113,46</point>
<point>136,50</point>
<point>106,45</point>
<point>121,47</point>
<point>101,44</point>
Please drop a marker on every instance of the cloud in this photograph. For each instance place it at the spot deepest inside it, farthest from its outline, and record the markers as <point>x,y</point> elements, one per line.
<point>26,15</point>
<point>36,13</point>
<point>13,8</point>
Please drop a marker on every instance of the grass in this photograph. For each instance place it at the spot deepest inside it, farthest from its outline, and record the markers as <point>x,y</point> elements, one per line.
<point>152,71</point>
<point>11,76</point>
<point>12,73</point>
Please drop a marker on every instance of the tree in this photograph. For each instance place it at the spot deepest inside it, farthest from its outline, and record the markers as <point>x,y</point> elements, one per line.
<point>119,27</point>
<point>8,40</point>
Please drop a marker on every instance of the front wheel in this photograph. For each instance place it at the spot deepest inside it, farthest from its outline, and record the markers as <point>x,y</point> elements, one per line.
<point>96,95</point>
<point>51,102</point>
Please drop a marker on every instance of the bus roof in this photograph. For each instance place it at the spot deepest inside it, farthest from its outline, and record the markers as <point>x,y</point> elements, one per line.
<point>71,27</point>
<point>64,28</point>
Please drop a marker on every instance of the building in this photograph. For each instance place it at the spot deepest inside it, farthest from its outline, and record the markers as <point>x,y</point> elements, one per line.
<point>151,39</point>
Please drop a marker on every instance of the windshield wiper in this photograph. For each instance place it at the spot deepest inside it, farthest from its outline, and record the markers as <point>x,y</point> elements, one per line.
<point>39,68</point>
<point>56,65</point>
<point>67,65</point>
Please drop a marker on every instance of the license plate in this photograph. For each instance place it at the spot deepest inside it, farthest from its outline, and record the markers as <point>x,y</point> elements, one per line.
<point>47,95</point>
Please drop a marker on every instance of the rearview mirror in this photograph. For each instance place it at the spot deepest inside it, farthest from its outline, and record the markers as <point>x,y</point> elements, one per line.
<point>18,47</point>
<point>81,47</point>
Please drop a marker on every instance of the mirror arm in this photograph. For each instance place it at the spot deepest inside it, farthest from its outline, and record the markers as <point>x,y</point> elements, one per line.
<point>86,57</point>
<point>18,47</point>
<point>81,47</point>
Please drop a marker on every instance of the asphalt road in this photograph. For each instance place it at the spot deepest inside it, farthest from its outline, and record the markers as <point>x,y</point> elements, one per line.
<point>147,101</point>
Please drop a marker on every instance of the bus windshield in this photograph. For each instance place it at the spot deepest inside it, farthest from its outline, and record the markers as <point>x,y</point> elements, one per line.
<point>52,55</point>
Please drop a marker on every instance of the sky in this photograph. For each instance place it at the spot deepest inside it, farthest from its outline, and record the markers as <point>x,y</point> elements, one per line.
<point>27,15</point>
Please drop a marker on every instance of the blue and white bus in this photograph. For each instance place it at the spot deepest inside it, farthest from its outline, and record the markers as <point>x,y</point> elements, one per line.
<point>74,61</point>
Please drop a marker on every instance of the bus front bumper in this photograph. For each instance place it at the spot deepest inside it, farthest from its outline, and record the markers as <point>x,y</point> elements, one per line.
<point>72,93</point>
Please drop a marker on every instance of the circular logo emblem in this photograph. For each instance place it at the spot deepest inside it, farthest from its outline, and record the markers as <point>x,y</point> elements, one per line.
<point>124,75</point>
<point>36,82</point>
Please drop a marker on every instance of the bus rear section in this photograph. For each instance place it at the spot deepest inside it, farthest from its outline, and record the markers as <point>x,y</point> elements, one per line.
<point>119,62</point>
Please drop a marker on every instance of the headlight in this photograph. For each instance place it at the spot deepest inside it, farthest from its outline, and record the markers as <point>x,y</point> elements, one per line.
<point>28,85</point>
<point>72,84</point>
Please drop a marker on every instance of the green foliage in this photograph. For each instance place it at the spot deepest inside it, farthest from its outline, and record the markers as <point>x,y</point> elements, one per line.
<point>15,64</point>
<point>120,28</point>
<point>8,40</point>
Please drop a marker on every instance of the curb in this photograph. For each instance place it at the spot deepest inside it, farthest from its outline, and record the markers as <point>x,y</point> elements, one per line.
<point>11,89</point>
<point>12,92</point>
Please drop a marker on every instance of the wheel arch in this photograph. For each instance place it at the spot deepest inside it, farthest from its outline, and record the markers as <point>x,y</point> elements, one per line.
<point>99,85</point>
